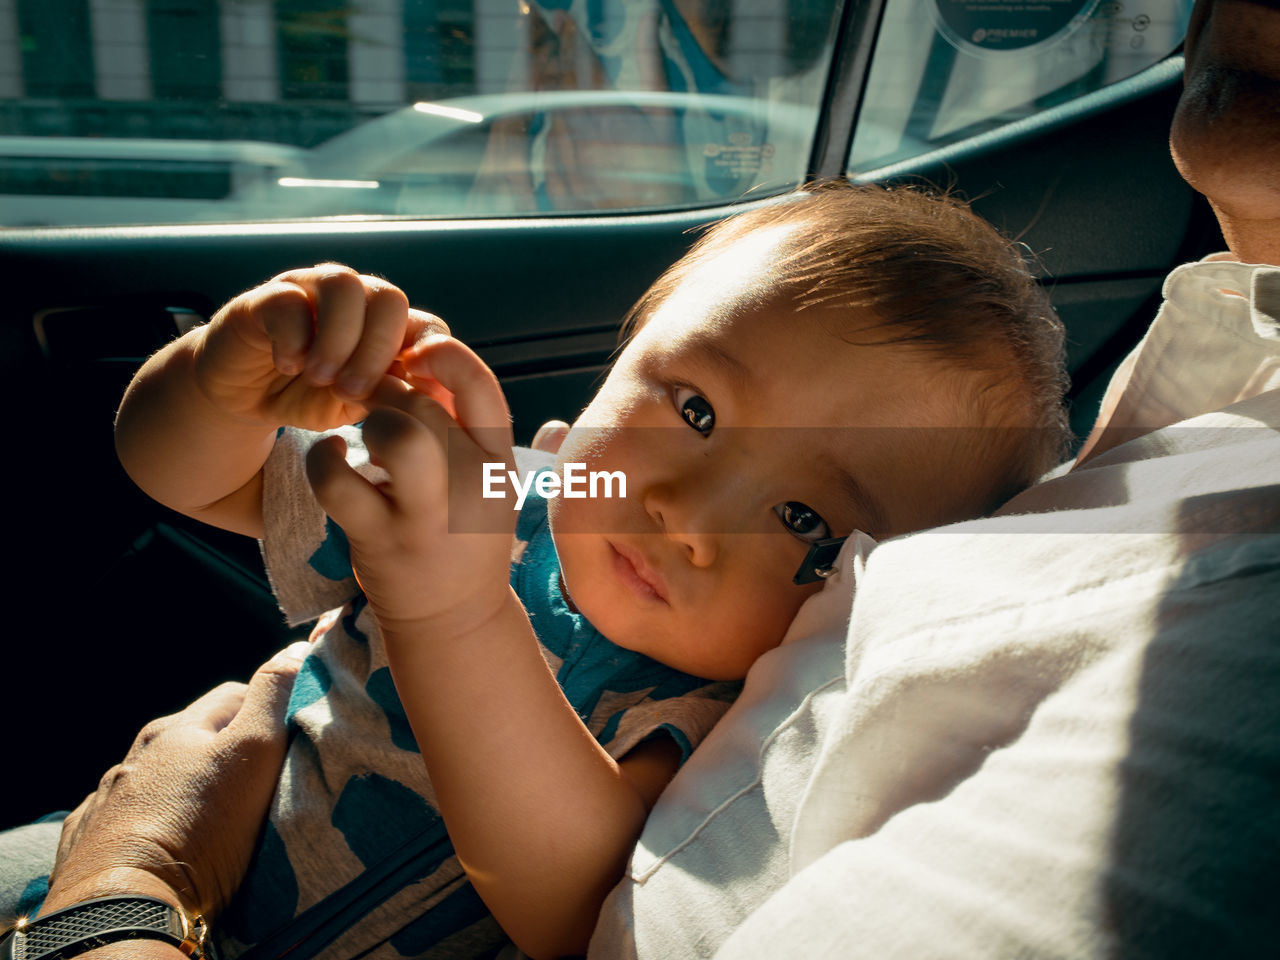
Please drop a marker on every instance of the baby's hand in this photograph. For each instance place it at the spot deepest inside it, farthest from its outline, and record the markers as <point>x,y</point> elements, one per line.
<point>431,553</point>
<point>308,348</point>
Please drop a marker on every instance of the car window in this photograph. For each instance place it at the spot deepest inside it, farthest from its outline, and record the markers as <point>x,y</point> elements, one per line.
<point>172,111</point>
<point>946,70</point>
<point>435,108</point>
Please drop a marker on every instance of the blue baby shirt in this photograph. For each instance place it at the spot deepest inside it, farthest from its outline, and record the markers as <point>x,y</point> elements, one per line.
<point>354,859</point>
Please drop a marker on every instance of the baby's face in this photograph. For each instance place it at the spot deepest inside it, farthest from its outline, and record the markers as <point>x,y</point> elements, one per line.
<point>745,434</point>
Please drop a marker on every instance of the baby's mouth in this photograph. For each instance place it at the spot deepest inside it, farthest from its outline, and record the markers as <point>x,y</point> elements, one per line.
<point>637,575</point>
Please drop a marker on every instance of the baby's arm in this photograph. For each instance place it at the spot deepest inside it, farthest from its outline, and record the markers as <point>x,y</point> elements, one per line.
<point>305,349</point>
<point>541,817</point>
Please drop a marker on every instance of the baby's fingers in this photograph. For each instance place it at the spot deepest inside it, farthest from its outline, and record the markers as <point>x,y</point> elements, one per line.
<point>424,326</point>
<point>407,440</point>
<point>336,298</point>
<point>358,325</point>
<point>480,407</point>
<point>275,317</point>
<point>386,321</point>
<point>354,503</point>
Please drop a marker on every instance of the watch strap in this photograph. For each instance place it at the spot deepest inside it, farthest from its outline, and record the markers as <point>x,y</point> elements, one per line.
<point>94,923</point>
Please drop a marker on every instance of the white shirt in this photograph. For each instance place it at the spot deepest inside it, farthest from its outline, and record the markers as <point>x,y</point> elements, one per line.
<point>1056,731</point>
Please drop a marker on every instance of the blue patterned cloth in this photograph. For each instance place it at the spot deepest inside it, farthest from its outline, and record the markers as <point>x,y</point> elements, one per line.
<point>355,860</point>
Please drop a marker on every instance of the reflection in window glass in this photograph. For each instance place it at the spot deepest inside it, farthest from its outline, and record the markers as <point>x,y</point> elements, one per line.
<point>949,69</point>
<point>638,105</point>
<point>439,46</point>
<point>320,108</point>
<point>183,42</point>
<point>313,38</point>
<point>56,57</point>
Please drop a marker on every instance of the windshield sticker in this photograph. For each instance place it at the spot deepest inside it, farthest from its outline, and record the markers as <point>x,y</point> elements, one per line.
<point>738,158</point>
<point>994,26</point>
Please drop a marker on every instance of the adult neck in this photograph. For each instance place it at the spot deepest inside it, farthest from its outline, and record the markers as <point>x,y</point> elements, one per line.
<point>1250,240</point>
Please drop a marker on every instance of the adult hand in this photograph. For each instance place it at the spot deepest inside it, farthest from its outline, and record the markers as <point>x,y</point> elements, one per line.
<point>178,819</point>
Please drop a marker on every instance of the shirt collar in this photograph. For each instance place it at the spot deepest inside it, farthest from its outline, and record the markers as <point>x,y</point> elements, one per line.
<point>1215,342</point>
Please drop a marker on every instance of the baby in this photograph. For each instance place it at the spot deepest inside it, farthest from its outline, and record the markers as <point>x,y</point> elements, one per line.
<point>858,360</point>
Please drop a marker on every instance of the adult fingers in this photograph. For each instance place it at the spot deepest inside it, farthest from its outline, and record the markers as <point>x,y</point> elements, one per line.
<point>71,828</point>
<point>216,708</point>
<point>231,702</point>
<point>266,698</point>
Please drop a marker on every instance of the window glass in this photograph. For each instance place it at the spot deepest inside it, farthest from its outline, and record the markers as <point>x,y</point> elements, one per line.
<point>945,70</point>
<point>439,36</point>
<point>52,48</point>
<point>311,49</point>
<point>182,46</point>
<point>153,111</point>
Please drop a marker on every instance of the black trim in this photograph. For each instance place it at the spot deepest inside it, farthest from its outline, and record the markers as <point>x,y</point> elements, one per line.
<point>856,38</point>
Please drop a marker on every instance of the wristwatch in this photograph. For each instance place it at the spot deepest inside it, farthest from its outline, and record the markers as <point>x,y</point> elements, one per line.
<point>94,923</point>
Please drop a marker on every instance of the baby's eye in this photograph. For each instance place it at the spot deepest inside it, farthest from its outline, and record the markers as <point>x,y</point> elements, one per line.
<point>695,410</point>
<point>802,521</point>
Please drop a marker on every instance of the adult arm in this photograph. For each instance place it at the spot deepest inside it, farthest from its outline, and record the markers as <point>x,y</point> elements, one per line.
<point>179,817</point>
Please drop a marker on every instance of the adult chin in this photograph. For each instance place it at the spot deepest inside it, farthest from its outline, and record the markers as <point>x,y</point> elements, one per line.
<point>1225,137</point>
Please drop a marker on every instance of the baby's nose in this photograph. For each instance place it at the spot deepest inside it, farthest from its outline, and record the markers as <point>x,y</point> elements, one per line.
<point>695,516</point>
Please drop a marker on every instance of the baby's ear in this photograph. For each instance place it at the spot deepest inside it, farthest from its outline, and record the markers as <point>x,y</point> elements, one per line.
<point>550,436</point>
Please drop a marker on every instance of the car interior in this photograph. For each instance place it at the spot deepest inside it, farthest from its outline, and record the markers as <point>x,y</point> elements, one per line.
<point>123,611</point>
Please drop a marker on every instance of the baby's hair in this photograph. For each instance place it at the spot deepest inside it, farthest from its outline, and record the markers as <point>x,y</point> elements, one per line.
<point>935,278</point>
